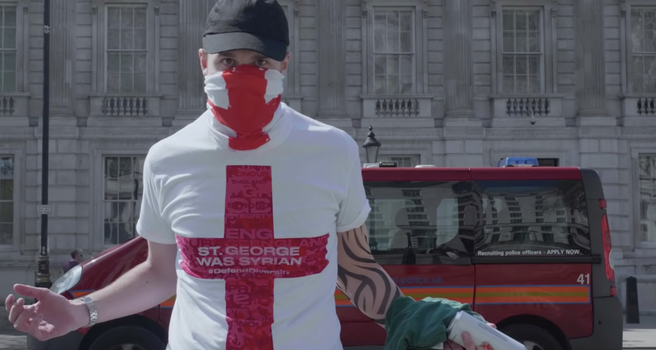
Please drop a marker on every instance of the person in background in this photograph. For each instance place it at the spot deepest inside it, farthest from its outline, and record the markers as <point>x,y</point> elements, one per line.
<point>76,259</point>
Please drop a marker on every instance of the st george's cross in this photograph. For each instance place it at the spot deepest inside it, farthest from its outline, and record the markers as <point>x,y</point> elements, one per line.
<point>249,257</point>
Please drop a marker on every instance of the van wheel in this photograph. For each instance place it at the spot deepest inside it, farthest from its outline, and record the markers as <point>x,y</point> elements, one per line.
<point>127,338</point>
<point>533,337</point>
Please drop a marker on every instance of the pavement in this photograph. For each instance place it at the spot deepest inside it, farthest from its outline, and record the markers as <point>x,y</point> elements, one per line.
<point>12,341</point>
<point>640,336</point>
<point>636,336</point>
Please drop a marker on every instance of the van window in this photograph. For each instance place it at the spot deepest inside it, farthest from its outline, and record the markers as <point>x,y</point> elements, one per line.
<point>416,223</point>
<point>533,218</point>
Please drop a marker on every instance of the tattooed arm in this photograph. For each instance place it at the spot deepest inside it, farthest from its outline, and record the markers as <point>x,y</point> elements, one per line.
<point>367,284</point>
<point>360,278</point>
<point>364,282</point>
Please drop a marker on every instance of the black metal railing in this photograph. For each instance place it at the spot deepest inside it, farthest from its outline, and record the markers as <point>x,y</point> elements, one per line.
<point>127,106</point>
<point>397,107</point>
<point>7,105</point>
<point>527,106</point>
<point>646,106</point>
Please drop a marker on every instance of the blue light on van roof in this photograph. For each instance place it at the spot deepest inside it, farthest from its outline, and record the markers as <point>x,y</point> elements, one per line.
<point>517,162</point>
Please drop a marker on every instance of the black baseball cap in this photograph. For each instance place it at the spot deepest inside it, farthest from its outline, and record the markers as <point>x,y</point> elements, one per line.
<point>258,25</point>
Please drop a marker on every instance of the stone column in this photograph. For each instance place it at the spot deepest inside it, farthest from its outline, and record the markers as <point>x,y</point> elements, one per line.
<point>458,64</point>
<point>191,91</point>
<point>331,56</point>
<point>62,57</point>
<point>590,58</point>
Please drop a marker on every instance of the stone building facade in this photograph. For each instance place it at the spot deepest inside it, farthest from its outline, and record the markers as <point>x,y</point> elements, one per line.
<point>449,83</point>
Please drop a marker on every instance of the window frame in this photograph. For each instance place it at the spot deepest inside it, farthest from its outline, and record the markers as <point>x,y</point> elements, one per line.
<point>545,160</point>
<point>97,176</point>
<point>542,59</point>
<point>16,48</point>
<point>99,44</point>
<point>398,54</point>
<point>420,76</point>
<point>292,77</point>
<point>412,157</point>
<point>104,201</point>
<point>18,155</point>
<point>549,9</point>
<point>22,45</point>
<point>625,44</point>
<point>637,217</point>
<point>107,50</point>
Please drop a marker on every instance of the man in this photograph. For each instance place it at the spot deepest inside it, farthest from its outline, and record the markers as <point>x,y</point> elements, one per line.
<point>76,259</point>
<point>251,213</point>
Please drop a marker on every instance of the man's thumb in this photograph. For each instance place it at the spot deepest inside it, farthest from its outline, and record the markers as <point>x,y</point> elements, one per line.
<point>29,291</point>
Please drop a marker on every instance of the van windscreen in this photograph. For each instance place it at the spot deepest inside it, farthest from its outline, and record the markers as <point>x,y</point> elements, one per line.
<point>531,218</point>
<point>420,223</point>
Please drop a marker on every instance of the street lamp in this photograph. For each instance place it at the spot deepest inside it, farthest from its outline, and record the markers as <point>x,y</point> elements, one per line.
<point>371,146</point>
<point>43,270</point>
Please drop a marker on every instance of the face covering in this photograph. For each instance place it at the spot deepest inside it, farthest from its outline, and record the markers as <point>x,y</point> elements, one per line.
<point>245,99</point>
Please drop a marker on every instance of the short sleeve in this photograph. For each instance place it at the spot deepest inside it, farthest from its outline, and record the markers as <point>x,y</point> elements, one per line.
<point>354,206</point>
<point>151,224</point>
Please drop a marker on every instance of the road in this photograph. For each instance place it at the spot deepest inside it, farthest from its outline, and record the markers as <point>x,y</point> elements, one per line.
<point>633,341</point>
<point>13,342</point>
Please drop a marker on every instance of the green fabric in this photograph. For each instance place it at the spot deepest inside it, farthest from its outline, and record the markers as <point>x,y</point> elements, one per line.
<point>420,324</point>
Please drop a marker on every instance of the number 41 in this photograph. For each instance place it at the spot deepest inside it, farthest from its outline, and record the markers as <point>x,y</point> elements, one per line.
<point>583,279</point>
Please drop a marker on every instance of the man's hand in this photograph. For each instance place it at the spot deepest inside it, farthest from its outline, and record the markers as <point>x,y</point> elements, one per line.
<point>52,316</point>
<point>467,340</point>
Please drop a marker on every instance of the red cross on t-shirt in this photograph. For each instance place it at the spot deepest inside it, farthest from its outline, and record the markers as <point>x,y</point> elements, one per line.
<point>249,258</point>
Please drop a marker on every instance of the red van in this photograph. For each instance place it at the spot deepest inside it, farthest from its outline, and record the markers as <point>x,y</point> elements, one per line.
<point>528,247</point>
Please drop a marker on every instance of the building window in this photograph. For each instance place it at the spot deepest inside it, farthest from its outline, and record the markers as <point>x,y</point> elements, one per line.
<point>647,183</point>
<point>8,49</point>
<point>548,161</point>
<point>123,187</point>
<point>7,201</point>
<point>409,161</point>
<point>394,50</point>
<point>126,49</point>
<point>286,81</point>
<point>289,78</point>
<point>395,44</point>
<point>643,49</point>
<point>523,50</point>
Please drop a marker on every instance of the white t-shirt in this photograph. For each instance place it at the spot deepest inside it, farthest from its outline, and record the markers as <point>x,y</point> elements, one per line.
<point>256,231</point>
